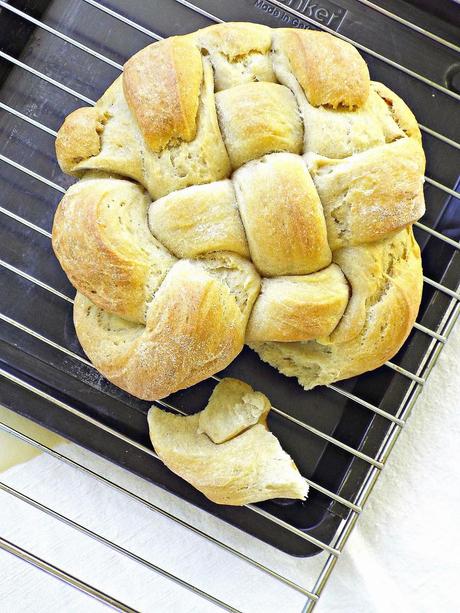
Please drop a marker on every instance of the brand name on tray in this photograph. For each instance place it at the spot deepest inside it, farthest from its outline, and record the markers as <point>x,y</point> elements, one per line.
<point>324,12</point>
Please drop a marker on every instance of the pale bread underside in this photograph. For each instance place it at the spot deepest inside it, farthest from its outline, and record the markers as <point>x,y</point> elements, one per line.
<point>247,466</point>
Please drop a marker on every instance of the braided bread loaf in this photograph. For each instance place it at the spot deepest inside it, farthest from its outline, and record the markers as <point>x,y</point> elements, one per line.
<point>241,184</point>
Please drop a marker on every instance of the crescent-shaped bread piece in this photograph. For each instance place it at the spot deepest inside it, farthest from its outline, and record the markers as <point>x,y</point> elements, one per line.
<point>251,467</point>
<point>232,408</point>
<point>376,323</point>
<point>195,326</point>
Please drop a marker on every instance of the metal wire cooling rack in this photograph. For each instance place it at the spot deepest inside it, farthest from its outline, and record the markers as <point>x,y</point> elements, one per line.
<point>441,279</point>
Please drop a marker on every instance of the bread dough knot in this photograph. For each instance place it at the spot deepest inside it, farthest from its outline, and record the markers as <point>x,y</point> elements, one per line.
<point>241,185</point>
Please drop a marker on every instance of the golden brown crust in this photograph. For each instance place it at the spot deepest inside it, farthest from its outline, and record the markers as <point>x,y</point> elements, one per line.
<point>124,151</point>
<point>78,138</point>
<point>183,164</point>
<point>102,241</point>
<point>299,308</point>
<point>328,166</point>
<point>277,198</point>
<point>330,71</point>
<point>162,87</point>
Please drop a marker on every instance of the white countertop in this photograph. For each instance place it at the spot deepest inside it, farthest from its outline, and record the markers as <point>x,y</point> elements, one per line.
<point>401,556</point>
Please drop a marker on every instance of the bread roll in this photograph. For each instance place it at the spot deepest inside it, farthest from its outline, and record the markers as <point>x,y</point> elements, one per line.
<point>241,184</point>
<point>258,118</point>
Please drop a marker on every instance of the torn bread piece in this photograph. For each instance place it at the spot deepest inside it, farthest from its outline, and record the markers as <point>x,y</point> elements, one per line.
<point>232,408</point>
<point>250,467</point>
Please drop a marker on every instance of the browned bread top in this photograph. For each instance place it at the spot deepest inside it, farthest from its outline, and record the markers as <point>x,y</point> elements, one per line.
<point>165,106</point>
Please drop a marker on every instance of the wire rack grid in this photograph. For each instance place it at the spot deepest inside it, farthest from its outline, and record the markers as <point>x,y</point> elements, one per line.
<point>375,462</point>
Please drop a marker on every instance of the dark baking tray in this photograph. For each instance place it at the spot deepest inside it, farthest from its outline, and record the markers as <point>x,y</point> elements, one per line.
<point>66,379</point>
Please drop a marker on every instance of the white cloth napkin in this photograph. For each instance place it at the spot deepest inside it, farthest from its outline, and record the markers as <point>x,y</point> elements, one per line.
<point>402,556</point>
